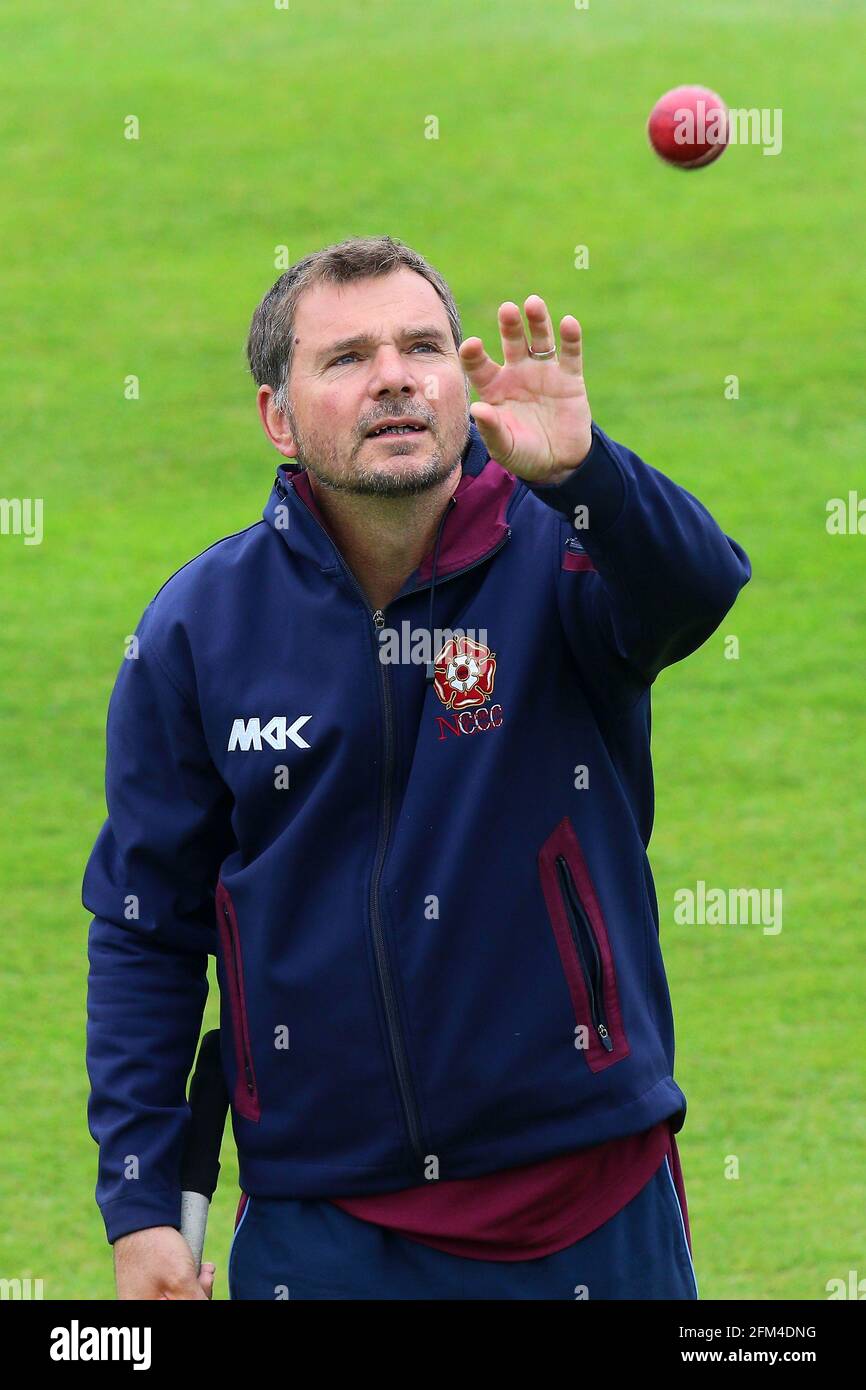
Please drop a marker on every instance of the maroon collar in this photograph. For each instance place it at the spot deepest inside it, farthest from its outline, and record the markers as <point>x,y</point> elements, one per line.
<point>474,526</point>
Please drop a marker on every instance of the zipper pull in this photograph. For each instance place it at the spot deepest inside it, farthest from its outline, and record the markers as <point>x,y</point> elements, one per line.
<point>606,1040</point>
<point>379,618</point>
<point>249,1076</point>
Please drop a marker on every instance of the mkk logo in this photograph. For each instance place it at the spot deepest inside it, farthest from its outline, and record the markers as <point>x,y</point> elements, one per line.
<point>277,733</point>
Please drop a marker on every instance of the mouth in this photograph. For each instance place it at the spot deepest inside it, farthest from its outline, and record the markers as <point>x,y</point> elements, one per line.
<point>394,429</point>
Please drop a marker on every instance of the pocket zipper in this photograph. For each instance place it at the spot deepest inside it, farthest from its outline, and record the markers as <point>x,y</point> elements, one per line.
<point>587,950</point>
<point>247,1060</point>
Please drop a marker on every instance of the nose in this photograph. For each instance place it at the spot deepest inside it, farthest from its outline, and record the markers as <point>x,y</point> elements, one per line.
<point>391,374</point>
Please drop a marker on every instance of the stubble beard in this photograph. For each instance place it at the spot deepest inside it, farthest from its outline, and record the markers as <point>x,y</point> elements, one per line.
<point>327,465</point>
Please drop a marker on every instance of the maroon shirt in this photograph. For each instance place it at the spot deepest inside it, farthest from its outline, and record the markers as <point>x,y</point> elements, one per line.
<point>526,1212</point>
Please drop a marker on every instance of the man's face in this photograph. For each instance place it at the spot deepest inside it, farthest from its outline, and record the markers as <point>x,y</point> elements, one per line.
<point>404,365</point>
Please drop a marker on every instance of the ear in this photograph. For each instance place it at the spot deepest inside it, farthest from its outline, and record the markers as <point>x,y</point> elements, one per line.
<point>274,423</point>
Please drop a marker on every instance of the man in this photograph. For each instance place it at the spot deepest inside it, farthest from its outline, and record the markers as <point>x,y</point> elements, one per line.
<point>385,754</point>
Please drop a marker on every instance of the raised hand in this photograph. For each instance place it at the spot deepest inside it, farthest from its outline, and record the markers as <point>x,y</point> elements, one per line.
<point>533,413</point>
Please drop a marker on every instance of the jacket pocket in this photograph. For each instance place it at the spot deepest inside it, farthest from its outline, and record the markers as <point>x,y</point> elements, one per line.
<point>246,1096</point>
<point>584,947</point>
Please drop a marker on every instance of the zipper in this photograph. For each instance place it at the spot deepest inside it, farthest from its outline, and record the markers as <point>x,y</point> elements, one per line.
<point>247,1064</point>
<point>587,950</point>
<point>383,964</point>
<point>248,1071</point>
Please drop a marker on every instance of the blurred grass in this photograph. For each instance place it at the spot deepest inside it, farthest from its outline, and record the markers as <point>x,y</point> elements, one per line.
<point>262,127</point>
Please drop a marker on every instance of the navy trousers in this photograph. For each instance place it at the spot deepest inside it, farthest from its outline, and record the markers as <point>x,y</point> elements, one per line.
<point>288,1248</point>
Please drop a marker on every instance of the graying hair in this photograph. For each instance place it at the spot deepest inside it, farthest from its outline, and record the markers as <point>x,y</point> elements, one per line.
<point>270,341</point>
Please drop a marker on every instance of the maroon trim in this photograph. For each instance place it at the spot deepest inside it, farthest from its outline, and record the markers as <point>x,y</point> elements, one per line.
<point>245,1104</point>
<point>680,1187</point>
<point>474,526</point>
<point>564,841</point>
<point>303,487</point>
<point>241,1205</point>
<point>572,560</point>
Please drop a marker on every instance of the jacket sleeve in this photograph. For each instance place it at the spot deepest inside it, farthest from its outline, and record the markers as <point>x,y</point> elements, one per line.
<point>150,882</point>
<point>647,575</point>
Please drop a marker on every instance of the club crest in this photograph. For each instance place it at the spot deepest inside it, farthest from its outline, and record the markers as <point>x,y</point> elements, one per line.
<point>464,673</point>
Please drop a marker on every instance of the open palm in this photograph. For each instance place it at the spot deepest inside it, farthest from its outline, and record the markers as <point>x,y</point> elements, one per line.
<point>533,415</point>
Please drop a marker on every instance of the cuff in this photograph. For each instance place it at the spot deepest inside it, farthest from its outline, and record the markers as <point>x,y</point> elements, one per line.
<point>123,1215</point>
<point>597,484</point>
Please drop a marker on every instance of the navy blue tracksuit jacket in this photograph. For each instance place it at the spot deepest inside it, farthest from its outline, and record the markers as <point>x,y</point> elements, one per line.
<point>426,888</point>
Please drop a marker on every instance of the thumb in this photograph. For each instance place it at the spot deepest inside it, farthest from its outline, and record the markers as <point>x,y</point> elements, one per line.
<point>206,1278</point>
<point>494,432</point>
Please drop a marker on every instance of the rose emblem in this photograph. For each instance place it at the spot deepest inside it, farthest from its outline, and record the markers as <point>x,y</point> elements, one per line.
<point>464,672</point>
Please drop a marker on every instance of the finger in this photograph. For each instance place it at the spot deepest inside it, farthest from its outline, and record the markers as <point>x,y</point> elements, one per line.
<point>514,345</point>
<point>206,1278</point>
<point>480,368</point>
<point>540,324</point>
<point>495,434</point>
<point>571,346</point>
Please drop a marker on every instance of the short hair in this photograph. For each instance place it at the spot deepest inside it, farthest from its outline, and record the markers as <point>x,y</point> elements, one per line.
<point>270,342</point>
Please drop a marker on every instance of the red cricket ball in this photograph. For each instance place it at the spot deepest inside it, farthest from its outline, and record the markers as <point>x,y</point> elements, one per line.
<point>688,127</point>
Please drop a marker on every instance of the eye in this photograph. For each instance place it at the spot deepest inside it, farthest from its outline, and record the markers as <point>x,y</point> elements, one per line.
<point>344,357</point>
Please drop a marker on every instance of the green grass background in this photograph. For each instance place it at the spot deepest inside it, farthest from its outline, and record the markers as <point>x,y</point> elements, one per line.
<point>262,127</point>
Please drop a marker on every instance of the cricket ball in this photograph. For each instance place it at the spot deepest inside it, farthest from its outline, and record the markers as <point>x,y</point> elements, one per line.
<point>688,127</point>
